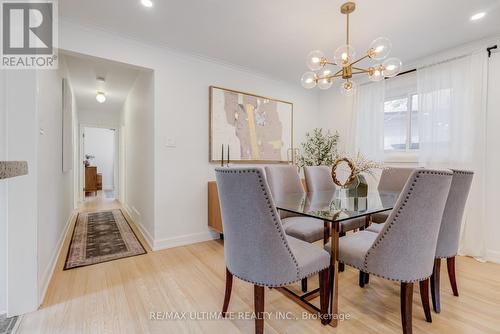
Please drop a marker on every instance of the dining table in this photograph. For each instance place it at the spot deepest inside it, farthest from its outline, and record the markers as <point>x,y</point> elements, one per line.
<point>332,207</point>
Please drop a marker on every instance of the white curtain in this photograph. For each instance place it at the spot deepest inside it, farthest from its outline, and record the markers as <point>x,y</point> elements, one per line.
<point>452,132</point>
<point>368,121</point>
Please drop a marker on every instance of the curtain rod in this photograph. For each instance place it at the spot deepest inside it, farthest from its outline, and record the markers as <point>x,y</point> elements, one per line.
<point>489,50</point>
<point>403,73</point>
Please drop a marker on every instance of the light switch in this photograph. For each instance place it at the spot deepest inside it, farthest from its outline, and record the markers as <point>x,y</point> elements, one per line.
<point>171,143</point>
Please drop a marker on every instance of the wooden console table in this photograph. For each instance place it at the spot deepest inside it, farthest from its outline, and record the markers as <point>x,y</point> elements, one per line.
<point>214,215</point>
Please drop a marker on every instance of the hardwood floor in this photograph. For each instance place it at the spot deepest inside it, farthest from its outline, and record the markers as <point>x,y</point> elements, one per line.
<point>118,297</point>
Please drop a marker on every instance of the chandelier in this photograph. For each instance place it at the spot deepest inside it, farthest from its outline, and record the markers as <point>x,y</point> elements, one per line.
<point>345,58</point>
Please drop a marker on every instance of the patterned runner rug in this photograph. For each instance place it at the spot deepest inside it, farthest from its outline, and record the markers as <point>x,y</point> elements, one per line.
<point>100,237</point>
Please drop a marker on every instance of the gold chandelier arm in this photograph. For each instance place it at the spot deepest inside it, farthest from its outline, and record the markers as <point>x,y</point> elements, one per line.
<point>361,70</point>
<point>360,59</point>
<point>329,77</point>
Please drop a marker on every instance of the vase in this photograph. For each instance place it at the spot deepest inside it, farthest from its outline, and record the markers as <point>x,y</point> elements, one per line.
<point>358,188</point>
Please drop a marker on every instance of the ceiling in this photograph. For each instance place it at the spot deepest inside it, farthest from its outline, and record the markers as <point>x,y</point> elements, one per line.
<point>275,36</point>
<point>83,73</point>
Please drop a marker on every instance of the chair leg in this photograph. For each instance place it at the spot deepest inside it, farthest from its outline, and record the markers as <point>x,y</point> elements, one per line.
<point>258,295</point>
<point>406,307</point>
<point>424,295</point>
<point>326,232</point>
<point>303,284</point>
<point>227,295</point>
<point>362,279</point>
<point>341,265</point>
<point>367,278</point>
<point>450,263</point>
<point>435,278</point>
<point>323,295</point>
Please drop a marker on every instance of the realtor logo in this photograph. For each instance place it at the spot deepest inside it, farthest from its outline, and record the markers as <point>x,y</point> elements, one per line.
<point>29,34</point>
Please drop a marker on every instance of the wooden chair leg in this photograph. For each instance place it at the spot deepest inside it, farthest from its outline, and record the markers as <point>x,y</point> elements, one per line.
<point>367,278</point>
<point>406,307</point>
<point>323,295</point>
<point>258,295</point>
<point>303,284</point>
<point>424,295</point>
<point>227,295</point>
<point>326,232</point>
<point>450,263</point>
<point>435,278</point>
<point>361,279</point>
<point>341,265</point>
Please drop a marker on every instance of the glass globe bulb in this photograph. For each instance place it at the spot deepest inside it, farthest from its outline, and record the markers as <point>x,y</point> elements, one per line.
<point>376,73</point>
<point>380,48</point>
<point>325,83</point>
<point>308,80</point>
<point>347,88</point>
<point>392,67</point>
<point>344,55</point>
<point>315,60</point>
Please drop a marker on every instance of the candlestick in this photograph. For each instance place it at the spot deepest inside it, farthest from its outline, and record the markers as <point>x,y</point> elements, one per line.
<point>222,157</point>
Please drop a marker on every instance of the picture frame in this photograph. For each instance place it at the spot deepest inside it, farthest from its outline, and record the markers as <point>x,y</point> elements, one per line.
<point>254,128</point>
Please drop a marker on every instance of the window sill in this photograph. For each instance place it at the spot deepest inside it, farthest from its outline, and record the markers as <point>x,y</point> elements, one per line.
<point>401,157</point>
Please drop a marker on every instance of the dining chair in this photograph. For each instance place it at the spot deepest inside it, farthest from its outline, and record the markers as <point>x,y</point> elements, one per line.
<point>256,248</point>
<point>284,180</point>
<point>319,178</point>
<point>404,250</point>
<point>392,179</point>
<point>449,233</point>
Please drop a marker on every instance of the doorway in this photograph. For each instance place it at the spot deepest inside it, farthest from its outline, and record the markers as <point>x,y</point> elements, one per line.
<point>99,173</point>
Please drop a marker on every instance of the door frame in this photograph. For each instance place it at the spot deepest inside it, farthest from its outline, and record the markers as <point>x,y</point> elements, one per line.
<point>116,159</point>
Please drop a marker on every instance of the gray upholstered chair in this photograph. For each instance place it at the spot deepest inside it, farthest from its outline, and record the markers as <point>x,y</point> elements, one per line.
<point>449,233</point>
<point>404,250</point>
<point>256,248</point>
<point>319,178</point>
<point>285,180</point>
<point>392,179</point>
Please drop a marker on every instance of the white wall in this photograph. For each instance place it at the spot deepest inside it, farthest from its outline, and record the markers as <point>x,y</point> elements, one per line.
<point>111,119</point>
<point>21,204</point>
<point>55,188</point>
<point>3,200</point>
<point>100,142</point>
<point>181,84</point>
<point>138,115</point>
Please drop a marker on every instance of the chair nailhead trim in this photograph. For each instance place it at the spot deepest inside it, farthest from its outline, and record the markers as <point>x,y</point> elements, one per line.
<point>381,237</point>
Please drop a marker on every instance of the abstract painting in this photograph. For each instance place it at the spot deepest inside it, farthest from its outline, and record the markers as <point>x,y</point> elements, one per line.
<point>254,129</point>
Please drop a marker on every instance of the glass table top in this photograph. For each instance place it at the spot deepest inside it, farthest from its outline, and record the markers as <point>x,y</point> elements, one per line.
<point>338,205</point>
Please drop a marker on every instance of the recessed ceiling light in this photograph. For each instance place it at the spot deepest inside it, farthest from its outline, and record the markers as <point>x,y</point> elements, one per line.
<point>477,16</point>
<point>147,3</point>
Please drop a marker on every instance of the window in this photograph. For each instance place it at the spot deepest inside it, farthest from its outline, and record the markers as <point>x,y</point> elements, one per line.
<point>401,115</point>
<point>401,123</point>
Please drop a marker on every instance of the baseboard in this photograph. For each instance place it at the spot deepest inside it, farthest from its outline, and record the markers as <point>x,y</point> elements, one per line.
<point>493,256</point>
<point>49,272</point>
<point>147,236</point>
<point>184,240</point>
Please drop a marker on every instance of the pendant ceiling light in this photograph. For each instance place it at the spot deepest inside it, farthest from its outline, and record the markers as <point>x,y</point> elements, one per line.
<point>345,57</point>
